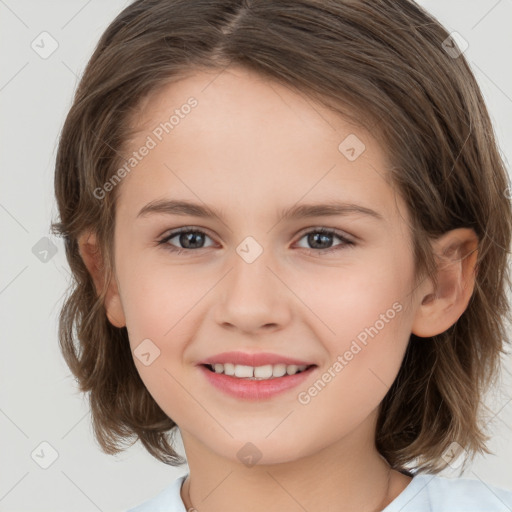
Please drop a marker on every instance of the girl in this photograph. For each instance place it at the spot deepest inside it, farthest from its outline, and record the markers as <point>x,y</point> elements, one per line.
<point>289,228</point>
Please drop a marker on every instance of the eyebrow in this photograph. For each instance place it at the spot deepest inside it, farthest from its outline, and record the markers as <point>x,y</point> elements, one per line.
<point>327,209</point>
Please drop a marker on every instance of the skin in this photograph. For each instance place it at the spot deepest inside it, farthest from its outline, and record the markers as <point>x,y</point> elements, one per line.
<point>249,149</point>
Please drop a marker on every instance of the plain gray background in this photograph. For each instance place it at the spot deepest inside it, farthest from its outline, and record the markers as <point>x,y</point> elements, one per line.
<point>39,401</point>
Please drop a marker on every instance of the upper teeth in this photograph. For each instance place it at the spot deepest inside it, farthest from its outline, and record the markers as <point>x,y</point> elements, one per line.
<point>259,372</point>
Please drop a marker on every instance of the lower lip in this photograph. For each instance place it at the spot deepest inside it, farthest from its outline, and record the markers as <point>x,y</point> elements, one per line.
<point>255,389</point>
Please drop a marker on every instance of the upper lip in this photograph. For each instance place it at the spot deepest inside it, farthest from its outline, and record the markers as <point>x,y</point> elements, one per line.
<point>254,359</point>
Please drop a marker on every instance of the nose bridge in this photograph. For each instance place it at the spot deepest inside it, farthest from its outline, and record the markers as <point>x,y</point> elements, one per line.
<point>252,296</point>
<point>251,278</point>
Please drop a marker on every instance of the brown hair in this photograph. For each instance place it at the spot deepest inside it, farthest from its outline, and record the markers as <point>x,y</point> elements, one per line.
<point>382,59</point>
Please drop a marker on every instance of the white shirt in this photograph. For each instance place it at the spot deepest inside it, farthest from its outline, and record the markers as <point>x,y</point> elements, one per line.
<point>425,493</point>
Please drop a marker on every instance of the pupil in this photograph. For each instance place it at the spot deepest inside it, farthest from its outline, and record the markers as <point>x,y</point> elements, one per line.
<point>314,238</point>
<point>188,239</point>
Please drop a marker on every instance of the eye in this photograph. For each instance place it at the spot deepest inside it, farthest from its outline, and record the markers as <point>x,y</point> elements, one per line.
<point>188,237</point>
<point>317,238</point>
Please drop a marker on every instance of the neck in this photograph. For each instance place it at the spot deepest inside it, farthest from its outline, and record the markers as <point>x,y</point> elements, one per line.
<point>353,479</point>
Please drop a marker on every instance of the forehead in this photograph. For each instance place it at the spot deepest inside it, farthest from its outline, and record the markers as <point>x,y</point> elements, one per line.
<point>254,136</point>
<point>241,97</point>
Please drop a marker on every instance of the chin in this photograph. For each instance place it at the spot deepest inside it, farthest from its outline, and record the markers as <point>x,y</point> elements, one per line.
<point>258,451</point>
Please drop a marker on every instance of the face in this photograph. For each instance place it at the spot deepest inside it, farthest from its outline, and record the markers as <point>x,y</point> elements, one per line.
<point>331,289</point>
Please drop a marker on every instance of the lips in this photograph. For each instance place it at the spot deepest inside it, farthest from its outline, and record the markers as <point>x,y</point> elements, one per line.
<point>232,373</point>
<point>254,359</point>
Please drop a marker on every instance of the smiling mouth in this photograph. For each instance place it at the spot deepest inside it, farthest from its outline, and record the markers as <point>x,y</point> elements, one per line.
<point>265,372</point>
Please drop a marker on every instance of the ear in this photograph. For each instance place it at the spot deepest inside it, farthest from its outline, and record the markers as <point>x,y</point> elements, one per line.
<point>92,258</point>
<point>456,253</point>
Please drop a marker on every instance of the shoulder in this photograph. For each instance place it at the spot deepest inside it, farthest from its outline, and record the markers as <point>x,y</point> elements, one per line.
<point>433,493</point>
<point>467,494</point>
<point>168,500</point>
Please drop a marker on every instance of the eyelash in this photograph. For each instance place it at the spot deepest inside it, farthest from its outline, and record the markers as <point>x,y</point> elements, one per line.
<point>325,231</point>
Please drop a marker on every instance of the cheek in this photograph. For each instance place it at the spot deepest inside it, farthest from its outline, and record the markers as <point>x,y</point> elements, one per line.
<point>364,358</point>
<point>158,302</point>
<point>157,298</point>
<point>364,318</point>
<point>349,299</point>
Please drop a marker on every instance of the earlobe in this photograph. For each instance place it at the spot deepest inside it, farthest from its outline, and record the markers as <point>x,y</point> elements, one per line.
<point>456,254</point>
<point>114,308</point>
<point>93,260</point>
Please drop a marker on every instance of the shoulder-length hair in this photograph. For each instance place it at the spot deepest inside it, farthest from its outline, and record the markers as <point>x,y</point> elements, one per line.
<point>387,65</point>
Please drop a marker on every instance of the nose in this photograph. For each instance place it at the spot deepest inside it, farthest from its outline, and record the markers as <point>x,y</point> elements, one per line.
<point>253,297</point>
